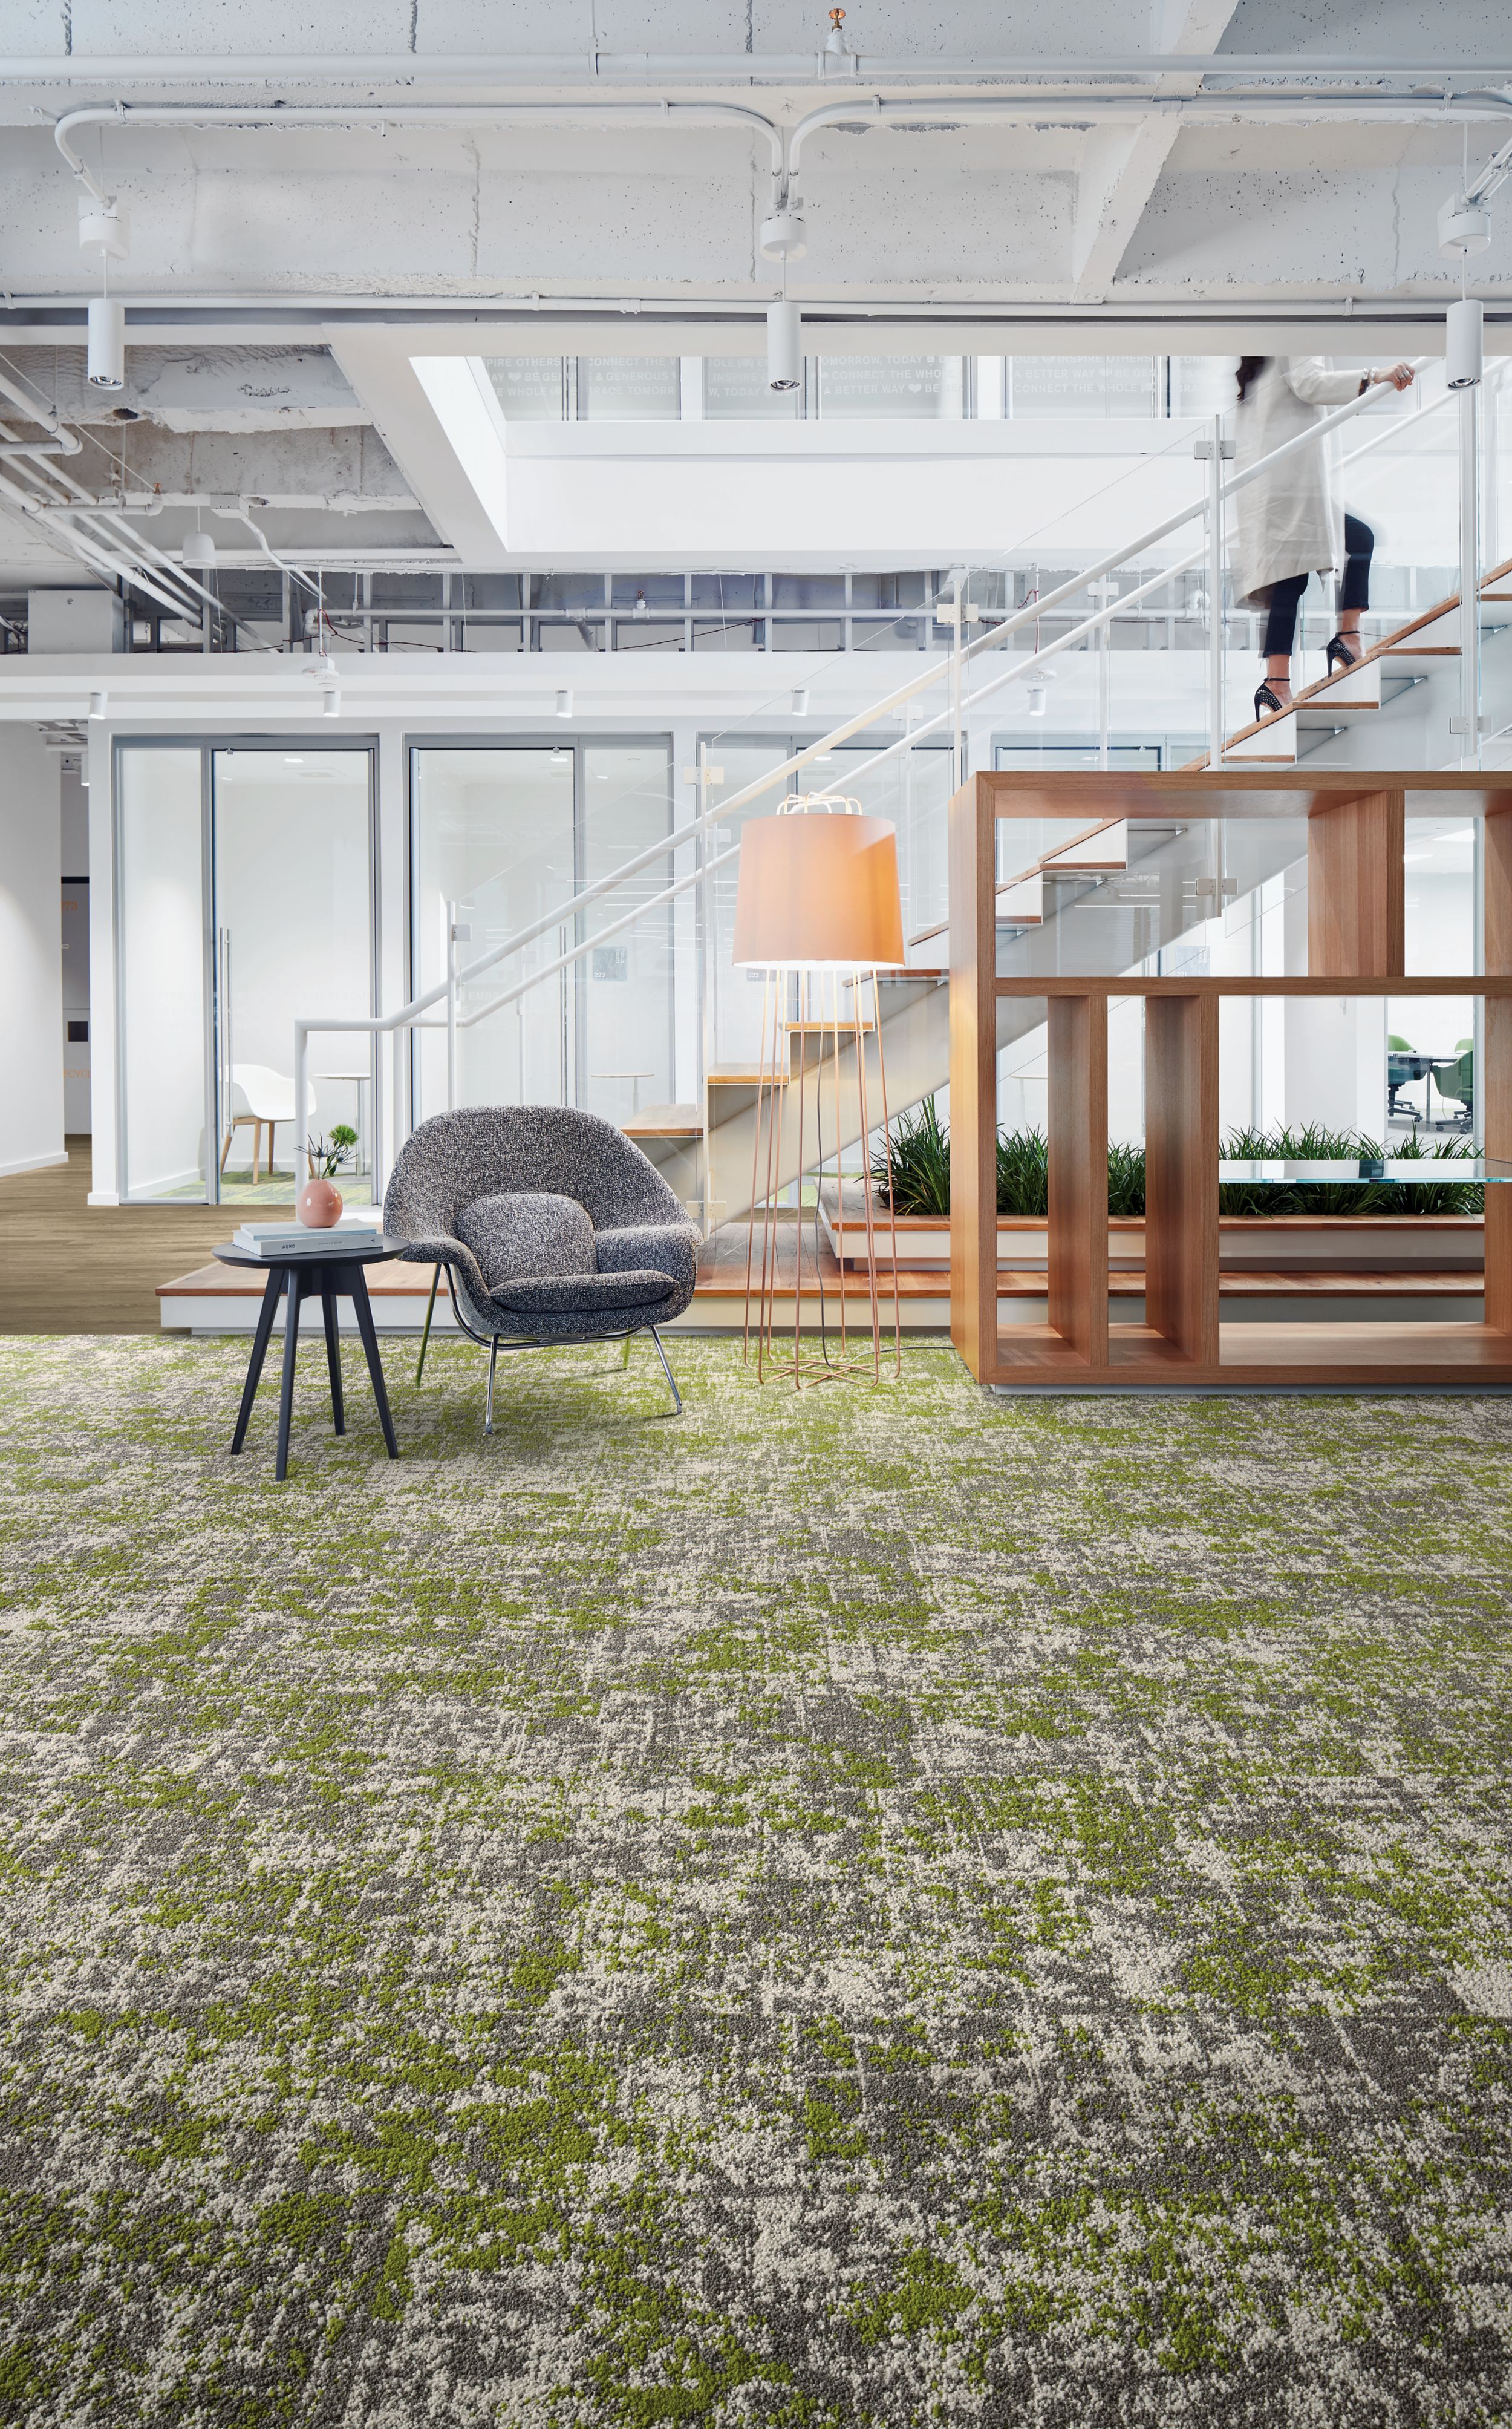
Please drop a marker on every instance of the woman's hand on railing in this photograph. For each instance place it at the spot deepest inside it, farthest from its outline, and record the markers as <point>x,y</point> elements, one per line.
<point>1397,375</point>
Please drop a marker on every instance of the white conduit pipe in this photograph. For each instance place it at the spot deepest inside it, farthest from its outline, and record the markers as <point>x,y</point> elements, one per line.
<point>35,409</point>
<point>784,148</point>
<point>597,65</point>
<point>406,113</point>
<point>88,550</point>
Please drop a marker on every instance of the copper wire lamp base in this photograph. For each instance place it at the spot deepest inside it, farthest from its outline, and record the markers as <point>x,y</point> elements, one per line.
<point>822,1068</point>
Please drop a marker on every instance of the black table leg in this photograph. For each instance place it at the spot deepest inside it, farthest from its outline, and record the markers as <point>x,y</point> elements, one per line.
<point>286,1396</point>
<point>259,1351</point>
<point>354,1283</point>
<point>333,1354</point>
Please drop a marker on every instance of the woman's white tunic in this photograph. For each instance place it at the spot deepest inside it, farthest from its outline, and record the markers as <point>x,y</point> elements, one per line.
<point>1288,520</point>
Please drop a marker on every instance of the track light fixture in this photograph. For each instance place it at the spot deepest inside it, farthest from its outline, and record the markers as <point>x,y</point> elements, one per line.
<point>97,705</point>
<point>564,704</point>
<point>800,700</point>
<point>784,346</point>
<point>331,703</point>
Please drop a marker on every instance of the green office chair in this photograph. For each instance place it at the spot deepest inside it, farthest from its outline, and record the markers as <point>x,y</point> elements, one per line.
<point>1456,1083</point>
<point>1399,1075</point>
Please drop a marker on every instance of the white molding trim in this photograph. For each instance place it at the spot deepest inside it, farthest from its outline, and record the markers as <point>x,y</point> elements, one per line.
<point>31,1163</point>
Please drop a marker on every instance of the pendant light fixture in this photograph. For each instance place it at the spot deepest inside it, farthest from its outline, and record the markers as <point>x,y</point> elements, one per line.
<point>785,347</point>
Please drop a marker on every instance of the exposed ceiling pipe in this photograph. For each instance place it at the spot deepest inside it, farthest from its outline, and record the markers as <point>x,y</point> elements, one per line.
<point>36,409</point>
<point>304,318</point>
<point>411,113</point>
<point>1199,106</point>
<point>89,531</point>
<point>597,67</point>
<point>152,502</point>
<point>293,572</point>
<point>785,145</point>
<point>82,547</point>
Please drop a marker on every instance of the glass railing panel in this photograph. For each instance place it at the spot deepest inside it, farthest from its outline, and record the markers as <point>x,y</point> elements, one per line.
<point>1133,681</point>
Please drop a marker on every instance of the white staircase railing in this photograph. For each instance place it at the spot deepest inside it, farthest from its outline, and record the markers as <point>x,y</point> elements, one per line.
<point>1206,508</point>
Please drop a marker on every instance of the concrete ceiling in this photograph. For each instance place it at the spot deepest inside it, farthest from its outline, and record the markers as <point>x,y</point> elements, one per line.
<point>1119,204</point>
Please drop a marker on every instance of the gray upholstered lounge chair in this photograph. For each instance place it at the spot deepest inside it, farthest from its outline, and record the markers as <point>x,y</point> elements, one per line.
<point>552,1227</point>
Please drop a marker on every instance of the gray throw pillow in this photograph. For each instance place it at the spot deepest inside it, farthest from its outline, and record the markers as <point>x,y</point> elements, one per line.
<point>527,1232</point>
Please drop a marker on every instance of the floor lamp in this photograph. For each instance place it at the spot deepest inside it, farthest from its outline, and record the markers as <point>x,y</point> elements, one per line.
<point>817,911</point>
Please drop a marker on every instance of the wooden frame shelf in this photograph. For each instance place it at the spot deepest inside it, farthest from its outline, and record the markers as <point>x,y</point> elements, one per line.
<point>1355,914</point>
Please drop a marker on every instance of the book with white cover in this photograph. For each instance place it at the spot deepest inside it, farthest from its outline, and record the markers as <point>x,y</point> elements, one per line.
<point>352,1218</point>
<point>299,1240</point>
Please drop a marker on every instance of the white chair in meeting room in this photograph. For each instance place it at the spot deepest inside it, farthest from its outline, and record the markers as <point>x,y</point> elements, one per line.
<point>263,1098</point>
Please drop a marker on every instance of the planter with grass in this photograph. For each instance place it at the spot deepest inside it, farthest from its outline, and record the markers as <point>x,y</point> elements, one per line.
<point>1355,1229</point>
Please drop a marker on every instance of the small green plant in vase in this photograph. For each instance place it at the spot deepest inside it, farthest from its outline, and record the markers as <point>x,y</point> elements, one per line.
<point>318,1204</point>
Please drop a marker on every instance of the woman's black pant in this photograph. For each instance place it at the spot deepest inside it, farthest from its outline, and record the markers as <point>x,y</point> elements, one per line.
<point>1283,599</point>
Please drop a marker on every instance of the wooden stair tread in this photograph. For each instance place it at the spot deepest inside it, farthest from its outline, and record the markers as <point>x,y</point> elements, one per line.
<point>664,1121</point>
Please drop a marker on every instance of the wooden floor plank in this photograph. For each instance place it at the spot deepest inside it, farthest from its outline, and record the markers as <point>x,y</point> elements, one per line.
<point>67,1267</point>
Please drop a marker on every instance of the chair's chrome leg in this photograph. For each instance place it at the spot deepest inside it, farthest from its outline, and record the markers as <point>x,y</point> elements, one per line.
<point>493,1361</point>
<point>671,1380</point>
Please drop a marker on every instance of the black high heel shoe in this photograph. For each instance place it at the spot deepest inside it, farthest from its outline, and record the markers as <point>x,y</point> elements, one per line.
<point>1338,648</point>
<point>1266,704</point>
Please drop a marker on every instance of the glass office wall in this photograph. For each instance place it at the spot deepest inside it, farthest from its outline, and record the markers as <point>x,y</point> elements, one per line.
<point>493,835</point>
<point>625,984</point>
<point>166,1114</point>
<point>510,835</point>
<point>244,903</point>
<point>293,937</point>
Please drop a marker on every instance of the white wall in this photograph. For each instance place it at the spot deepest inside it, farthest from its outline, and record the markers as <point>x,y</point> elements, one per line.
<point>31,954</point>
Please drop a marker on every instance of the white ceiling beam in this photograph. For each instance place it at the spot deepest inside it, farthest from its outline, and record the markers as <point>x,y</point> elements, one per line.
<point>1122,165</point>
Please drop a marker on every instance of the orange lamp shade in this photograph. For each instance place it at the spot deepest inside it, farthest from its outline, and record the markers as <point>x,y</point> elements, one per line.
<point>818,891</point>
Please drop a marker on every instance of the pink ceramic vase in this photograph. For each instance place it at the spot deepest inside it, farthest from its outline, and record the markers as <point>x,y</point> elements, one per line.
<point>318,1205</point>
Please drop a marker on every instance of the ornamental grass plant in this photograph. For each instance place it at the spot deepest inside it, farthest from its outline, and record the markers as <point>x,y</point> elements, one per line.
<point>920,1179</point>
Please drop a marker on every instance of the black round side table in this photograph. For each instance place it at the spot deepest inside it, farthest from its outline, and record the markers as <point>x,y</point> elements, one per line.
<point>327,1276</point>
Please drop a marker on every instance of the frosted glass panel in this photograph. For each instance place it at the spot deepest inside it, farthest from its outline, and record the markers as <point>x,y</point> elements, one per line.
<point>1081,387</point>
<point>162,974</point>
<point>529,387</point>
<point>620,387</point>
<point>887,387</point>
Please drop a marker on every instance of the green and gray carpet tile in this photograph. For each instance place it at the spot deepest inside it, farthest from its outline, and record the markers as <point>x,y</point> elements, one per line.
<point>887,1907</point>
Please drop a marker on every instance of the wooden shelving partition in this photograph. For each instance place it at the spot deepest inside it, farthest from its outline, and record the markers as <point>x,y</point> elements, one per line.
<point>1356,946</point>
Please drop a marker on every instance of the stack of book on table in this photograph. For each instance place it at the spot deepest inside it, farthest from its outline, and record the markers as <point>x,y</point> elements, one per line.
<point>281,1242</point>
